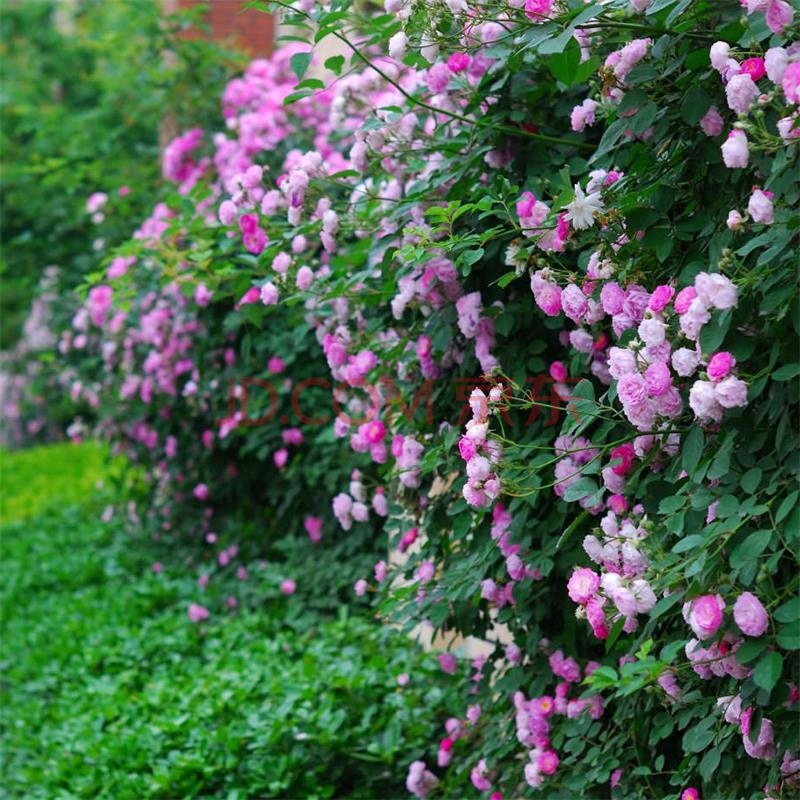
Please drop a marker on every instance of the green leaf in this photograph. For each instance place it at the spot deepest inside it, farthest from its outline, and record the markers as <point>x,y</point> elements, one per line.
<point>562,65</point>
<point>669,505</point>
<point>788,612</point>
<point>295,96</point>
<point>580,489</point>
<point>728,506</point>
<point>665,603</point>
<point>789,636</point>
<point>750,650</point>
<point>751,480</point>
<point>696,739</point>
<point>614,633</point>
<point>752,547</point>
<point>709,764</point>
<point>335,64</point>
<point>692,449</point>
<point>299,63</point>
<point>311,83</point>
<point>695,105</point>
<point>786,372</point>
<point>722,460</point>
<point>603,677</point>
<point>633,101</point>
<point>584,389</point>
<point>786,505</point>
<point>641,121</point>
<point>472,256</point>
<point>768,670</point>
<point>505,279</point>
<point>688,543</point>
<point>713,333</point>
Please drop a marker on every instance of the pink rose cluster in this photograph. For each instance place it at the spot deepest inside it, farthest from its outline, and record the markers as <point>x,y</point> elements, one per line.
<point>480,453</point>
<point>179,166</point>
<point>420,780</point>
<point>352,507</point>
<point>742,91</point>
<point>533,717</point>
<point>762,745</point>
<point>517,570</point>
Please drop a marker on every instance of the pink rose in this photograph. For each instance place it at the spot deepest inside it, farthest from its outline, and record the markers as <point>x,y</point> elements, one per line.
<point>611,298</point>
<point>685,362</point>
<point>558,372</point>
<point>658,378</point>
<point>779,15</point>
<point>704,614</point>
<point>703,401</point>
<point>712,124</point>
<point>547,762</point>
<point>661,297</point>
<point>760,207</point>
<point>719,365</point>
<point>735,152</point>
<point>227,212</point>
<point>458,62</point>
<point>447,661</point>
<point>269,294</point>
<point>735,220</point>
<point>731,392</point>
<point>305,277</point>
<point>715,290</point>
<point>683,299</point>
<point>740,93</point>
<point>573,301</point>
<point>583,585</point>
<point>750,615</point>
<point>754,67</point>
<point>632,389</point>
<point>197,613</point>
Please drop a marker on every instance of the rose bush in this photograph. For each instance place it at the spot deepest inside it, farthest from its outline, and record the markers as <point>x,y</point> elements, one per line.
<point>541,260</point>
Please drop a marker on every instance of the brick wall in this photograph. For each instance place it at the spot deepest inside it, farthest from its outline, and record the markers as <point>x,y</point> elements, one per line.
<point>249,30</point>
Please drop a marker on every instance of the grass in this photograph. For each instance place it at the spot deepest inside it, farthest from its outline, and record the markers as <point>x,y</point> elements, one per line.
<point>59,474</point>
<point>107,690</point>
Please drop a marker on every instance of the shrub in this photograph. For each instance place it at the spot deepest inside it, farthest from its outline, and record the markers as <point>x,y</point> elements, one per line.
<point>615,484</point>
<point>85,90</point>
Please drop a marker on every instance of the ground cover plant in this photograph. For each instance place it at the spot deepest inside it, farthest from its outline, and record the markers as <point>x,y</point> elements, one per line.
<point>108,690</point>
<point>495,319</point>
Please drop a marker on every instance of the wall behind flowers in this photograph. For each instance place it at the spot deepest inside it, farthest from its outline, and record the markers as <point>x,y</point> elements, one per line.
<point>573,230</point>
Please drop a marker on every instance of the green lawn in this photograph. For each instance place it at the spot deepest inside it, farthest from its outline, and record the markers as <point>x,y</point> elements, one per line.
<point>107,690</point>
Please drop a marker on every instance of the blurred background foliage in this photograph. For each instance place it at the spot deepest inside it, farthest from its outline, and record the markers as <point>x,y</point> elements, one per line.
<point>88,87</point>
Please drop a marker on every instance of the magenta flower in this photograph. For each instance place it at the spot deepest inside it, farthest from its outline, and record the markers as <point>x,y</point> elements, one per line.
<point>625,453</point>
<point>547,762</point>
<point>313,526</point>
<point>458,62</point>
<point>754,67</point>
<point>478,776</point>
<point>447,661</point>
<point>719,365</point>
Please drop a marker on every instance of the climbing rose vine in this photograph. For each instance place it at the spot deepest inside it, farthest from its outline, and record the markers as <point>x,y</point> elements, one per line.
<point>518,281</point>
